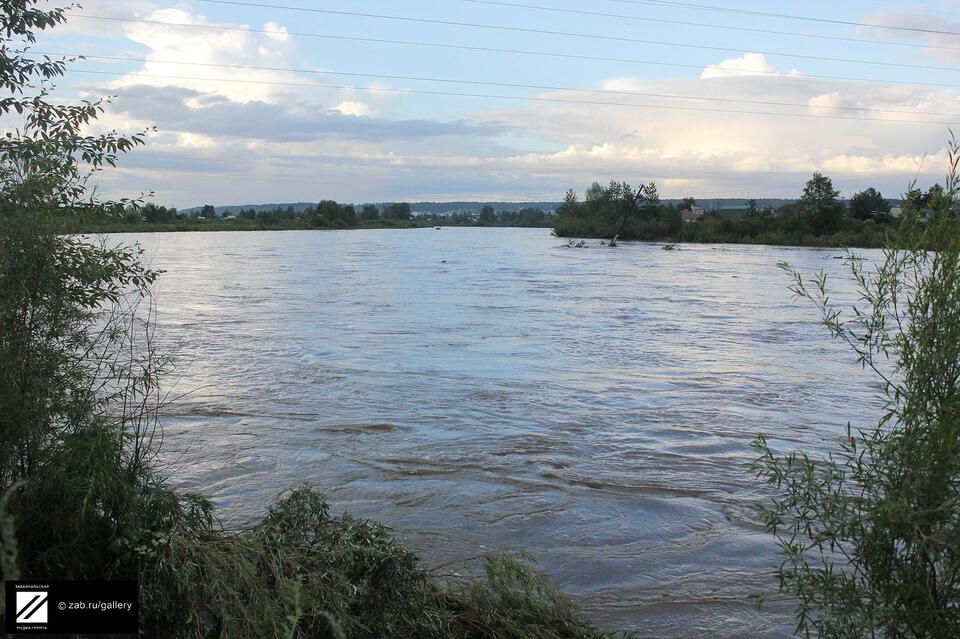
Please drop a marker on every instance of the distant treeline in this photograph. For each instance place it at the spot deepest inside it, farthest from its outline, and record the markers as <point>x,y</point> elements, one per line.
<point>818,218</point>
<point>327,214</point>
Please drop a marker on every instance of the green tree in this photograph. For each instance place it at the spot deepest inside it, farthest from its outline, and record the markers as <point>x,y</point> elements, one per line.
<point>868,204</point>
<point>821,205</point>
<point>650,200</point>
<point>68,318</point>
<point>487,215</point>
<point>369,212</point>
<point>871,533</point>
<point>398,211</point>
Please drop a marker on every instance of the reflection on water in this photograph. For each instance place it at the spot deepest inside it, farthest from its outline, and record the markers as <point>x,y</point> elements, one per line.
<point>487,389</point>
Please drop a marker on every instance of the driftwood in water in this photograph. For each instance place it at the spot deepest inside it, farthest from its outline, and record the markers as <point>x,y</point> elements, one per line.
<point>623,219</point>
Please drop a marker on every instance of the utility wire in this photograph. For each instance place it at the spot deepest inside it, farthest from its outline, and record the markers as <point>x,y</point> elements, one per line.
<point>510,85</point>
<point>646,19</point>
<point>550,54</point>
<point>784,16</point>
<point>568,34</point>
<point>515,97</point>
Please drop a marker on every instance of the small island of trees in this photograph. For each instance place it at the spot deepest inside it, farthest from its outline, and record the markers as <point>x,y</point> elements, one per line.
<point>818,218</point>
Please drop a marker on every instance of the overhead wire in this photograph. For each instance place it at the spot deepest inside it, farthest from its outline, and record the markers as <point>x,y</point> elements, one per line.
<point>513,85</point>
<point>573,56</point>
<point>648,19</point>
<point>784,16</point>
<point>520,98</point>
<point>516,30</point>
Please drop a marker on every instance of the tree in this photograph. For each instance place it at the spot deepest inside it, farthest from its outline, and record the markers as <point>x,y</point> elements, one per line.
<point>871,533</point>
<point>687,204</point>
<point>487,215</point>
<point>72,439</point>
<point>158,214</point>
<point>208,211</point>
<point>400,211</point>
<point>916,203</point>
<point>650,200</point>
<point>753,209</point>
<point>369,212</point>
<point>867,204</point>
<point>821,205</point>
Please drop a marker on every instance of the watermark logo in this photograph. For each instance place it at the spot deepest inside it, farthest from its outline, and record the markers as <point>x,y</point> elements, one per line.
<point>71,607</point>
<point>32,606</point>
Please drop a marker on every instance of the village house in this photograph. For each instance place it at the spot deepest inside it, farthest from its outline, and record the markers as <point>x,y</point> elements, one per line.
<point>691,214</point>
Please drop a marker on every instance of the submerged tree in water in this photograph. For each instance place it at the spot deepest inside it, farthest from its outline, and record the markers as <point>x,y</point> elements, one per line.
<point>871,534</point>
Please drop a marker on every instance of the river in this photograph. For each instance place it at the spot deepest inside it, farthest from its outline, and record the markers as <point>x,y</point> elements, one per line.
<point>489,389</point>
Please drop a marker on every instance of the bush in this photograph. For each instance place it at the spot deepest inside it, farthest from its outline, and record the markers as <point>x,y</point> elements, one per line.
<point>871,534</point>
<point>79,404</point>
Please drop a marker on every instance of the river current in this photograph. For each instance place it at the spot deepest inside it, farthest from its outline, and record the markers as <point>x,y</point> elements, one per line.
<point>489,389</point>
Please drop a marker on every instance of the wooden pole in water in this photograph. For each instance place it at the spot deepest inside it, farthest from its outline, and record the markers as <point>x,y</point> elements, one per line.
<point>623,219</point>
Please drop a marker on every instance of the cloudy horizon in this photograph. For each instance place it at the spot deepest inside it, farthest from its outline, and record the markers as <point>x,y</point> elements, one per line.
<point>269,104</point>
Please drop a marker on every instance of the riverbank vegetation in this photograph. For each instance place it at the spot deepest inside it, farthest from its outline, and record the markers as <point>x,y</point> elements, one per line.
<point>80,397</point>
<point>871,534</point>
<point>139,217</point>
<point>818,218</point>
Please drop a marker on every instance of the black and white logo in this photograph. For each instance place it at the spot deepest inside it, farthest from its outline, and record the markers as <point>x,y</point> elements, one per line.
<point>31,606</point>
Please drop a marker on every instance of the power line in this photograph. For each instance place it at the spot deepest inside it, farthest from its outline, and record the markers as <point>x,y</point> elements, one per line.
<point>516,97</point>
<point>550,54</point>
<point>711,26</point>
<point>511,85</point>
<point>569,34</point>
<point>751,12</point>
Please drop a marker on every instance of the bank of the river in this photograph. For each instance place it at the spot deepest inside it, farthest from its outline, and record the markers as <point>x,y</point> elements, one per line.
<point>874,238</point>
<point>209,226</point>
<point>714,231</point>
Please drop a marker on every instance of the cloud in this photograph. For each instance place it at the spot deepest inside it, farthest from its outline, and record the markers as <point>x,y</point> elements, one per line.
<point>263,142</point>
<point>213,116</point>
<point>853,134</point>
<point>934,17</point>
<point>354,107</point>
<point>276,32</point>
<point>748,64</point>
<point>176,56</point>
<point>622,84</point>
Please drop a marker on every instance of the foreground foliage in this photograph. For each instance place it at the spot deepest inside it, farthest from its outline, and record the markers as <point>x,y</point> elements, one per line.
<point>871,534</point>
<point>80,395</point>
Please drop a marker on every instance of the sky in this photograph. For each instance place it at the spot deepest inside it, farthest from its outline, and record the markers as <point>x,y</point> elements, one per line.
<point>256,102</point>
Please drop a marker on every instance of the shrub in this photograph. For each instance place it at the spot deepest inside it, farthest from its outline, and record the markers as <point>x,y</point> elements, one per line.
<point>871,534</point>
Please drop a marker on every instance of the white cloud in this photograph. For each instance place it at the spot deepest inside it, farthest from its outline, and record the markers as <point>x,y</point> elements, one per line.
<point>276,32</point>
<point>177,56</point>
<point>273,141</point>
<point>708,150</point>
<point>622,84</point>
<point>354,107</point>
<point>825,102</point>
<point>746,65</point>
